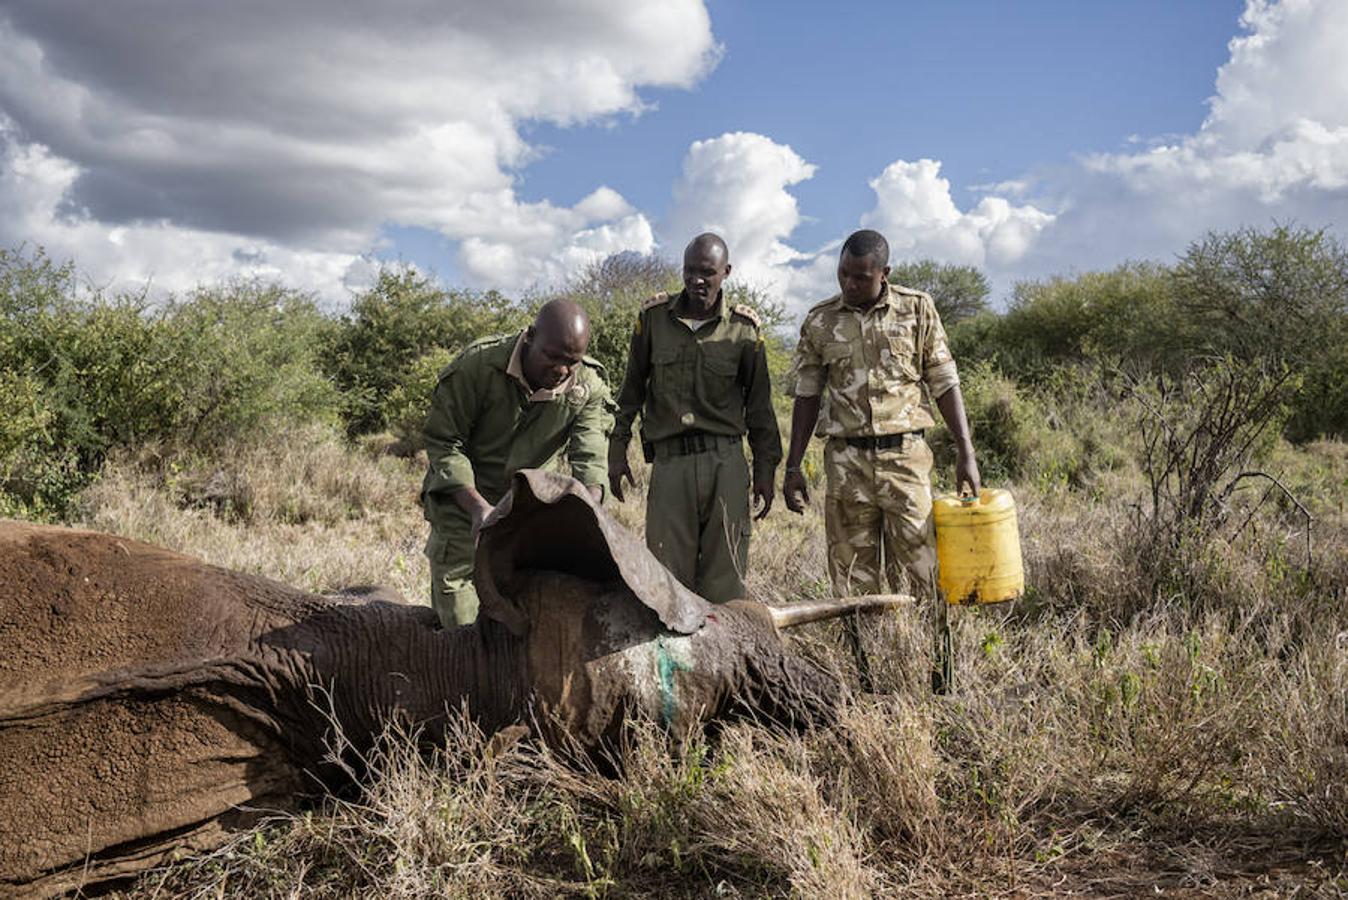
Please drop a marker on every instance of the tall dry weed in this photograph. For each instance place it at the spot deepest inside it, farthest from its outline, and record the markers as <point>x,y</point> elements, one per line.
<point>1101,736</point>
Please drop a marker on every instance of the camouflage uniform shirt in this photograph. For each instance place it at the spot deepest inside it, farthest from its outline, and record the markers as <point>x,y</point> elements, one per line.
<point>874,363</point>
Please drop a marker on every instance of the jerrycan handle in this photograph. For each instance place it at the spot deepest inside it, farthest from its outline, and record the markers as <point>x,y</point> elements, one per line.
<point>966,493</point>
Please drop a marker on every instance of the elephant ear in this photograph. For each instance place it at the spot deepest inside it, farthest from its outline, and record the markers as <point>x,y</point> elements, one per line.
<point>551,522</point>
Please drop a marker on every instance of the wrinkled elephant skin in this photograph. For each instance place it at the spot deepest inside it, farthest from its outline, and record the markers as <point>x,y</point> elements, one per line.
<point>150,703</point>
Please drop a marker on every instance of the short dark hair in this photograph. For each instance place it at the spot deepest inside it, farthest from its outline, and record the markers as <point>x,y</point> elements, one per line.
<point>868,243</point>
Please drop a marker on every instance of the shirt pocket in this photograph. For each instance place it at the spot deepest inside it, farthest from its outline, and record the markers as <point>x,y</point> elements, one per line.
<point>666,366</point>
<point>838,361</point>
<point>898,349</point>
<point>720,372</point>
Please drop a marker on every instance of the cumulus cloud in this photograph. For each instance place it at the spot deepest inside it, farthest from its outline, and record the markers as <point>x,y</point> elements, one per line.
<point>292,127</point>
<point>1273,146</point>
<point>915,211</point>
<point>736,185</point>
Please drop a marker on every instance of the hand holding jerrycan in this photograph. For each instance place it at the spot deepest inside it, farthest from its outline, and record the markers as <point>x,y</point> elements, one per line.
<point>978,547</point>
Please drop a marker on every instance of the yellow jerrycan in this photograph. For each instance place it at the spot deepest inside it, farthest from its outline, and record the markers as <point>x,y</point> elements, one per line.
<point>978,547</point>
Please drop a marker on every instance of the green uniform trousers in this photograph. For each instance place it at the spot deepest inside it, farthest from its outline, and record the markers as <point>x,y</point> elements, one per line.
<point>450,551</point>
<point>697,514</point>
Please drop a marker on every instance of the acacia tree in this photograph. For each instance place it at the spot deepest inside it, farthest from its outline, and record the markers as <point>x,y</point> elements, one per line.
<point>1279,296</point>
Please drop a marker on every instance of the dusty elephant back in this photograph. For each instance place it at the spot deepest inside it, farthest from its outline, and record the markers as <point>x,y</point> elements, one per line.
<point>134,704</point>
<point>73,603</point>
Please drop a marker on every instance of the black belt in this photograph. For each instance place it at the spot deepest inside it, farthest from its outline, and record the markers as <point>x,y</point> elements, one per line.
<point>881,441</point>
<point>691,442</point>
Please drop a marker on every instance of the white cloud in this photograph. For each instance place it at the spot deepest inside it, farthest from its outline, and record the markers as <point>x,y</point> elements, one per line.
<point>737,185</point>
<point>255,138</point>
<point>311,125</point>
<point>916,213</point>
<point>34,185</point>
<point>1273,146</point>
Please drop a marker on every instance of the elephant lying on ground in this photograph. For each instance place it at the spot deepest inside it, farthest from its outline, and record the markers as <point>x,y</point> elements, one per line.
<point>145,696</point>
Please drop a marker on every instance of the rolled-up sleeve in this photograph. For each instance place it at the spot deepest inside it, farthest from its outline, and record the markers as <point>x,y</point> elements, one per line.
<point>807,366</point>
<point>938,365</point>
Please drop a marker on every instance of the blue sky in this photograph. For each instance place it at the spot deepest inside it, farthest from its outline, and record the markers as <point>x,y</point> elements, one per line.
<point>512,144</point>
<point>992,89</point>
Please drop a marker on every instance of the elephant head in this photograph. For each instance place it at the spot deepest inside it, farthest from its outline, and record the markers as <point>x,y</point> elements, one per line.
<point>610,634</point>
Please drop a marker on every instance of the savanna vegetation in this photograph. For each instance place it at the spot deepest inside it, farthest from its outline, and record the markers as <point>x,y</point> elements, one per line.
<point>1166,708</point>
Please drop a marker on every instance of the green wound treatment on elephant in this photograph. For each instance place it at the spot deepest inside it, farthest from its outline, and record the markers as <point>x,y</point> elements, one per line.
<point>668,665</point>
<point>184,699</point>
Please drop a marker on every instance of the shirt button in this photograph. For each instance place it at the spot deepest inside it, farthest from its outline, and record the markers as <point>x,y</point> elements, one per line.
<point>686,418</point>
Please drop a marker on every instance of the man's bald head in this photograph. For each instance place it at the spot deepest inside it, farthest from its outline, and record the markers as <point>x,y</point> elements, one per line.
<point>707,243</point>
<point>555,343</point>
<point>564,319</point>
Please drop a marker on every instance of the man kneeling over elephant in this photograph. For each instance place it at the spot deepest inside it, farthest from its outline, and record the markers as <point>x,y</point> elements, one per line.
<point>511,402</point>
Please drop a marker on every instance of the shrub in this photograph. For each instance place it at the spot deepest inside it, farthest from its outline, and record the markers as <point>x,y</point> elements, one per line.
<point>1280,296</point>
<point>84,375</point>
<point>241,357</point>
<point>1126,312</point>
<point>408,404</point>
<point>1063,432</point>
<point>373,349</point>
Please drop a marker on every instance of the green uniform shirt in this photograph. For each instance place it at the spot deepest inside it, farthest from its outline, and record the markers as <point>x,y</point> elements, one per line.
<point>870,366</point>
<point>714,380</point>
<point>483,427</point>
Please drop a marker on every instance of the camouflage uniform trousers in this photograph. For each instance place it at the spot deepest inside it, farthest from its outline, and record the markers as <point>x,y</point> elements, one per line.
<point>878,525</point>
<point>450,550</point>
<point>697,517</point>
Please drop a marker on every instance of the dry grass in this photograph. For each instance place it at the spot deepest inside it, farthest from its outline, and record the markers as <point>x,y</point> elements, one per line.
<point>302,508</point>
<point>1104,740</point>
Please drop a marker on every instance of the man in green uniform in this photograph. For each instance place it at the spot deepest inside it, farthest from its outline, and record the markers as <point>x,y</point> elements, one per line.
<point>698,374</point>
<point>864,358</point>
<point>516,401</point>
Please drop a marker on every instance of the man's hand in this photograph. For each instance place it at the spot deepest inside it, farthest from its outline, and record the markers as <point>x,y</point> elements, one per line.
<point>795,491</point>
<point>966,471</point>
<point>477,512</point>
<point>618,469</point>
<point>763,493</point>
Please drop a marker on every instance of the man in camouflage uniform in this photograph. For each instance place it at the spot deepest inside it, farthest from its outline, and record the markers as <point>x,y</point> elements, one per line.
<point>515,401</point>
<point>864,357</point>
<point>698,374</point>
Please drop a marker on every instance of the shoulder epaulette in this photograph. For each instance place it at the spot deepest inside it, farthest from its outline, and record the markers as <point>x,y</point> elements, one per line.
<point>488,341</point>
<point>593,363</point>
<point>822,303</point>
<point>652,302</point>
<point>911,292</point>
<point>473,349</point>
<point>749,313</point>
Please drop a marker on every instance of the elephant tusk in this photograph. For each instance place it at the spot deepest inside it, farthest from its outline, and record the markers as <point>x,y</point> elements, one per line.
<point>815,610</point>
